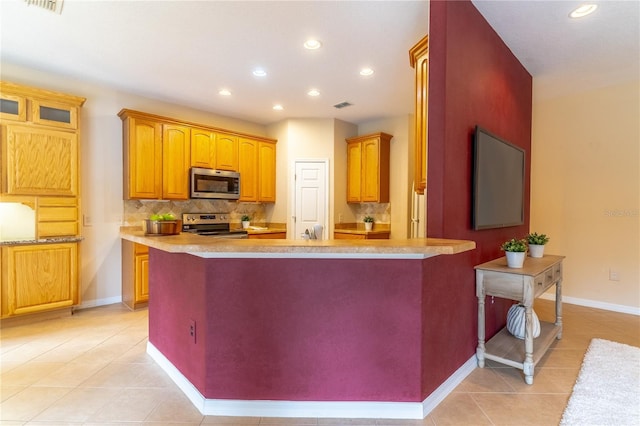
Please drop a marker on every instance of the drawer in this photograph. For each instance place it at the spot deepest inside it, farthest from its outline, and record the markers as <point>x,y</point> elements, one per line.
<point>57,229</point>
<point>140,248</point>
<point>542,282</point>
<point>52,214</point>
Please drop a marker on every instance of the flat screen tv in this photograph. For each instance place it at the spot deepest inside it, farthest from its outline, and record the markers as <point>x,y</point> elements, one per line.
<point>498,182</point>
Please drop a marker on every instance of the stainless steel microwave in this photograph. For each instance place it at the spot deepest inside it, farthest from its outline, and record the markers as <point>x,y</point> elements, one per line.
<point>209,183</point>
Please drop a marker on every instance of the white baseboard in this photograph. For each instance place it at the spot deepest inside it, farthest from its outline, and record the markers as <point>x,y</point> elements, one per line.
<point>338,409</point>
<point>99,302</point>
<point>594,304</point>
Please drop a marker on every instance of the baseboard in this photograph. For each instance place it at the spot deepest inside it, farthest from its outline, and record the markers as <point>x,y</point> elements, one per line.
<point>324,409</point>
<point>594,304</point>
<point>99,302</point>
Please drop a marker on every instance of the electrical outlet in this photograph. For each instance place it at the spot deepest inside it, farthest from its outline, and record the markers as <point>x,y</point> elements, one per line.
<point>614,275</point>
<point>192,331</point>
<point>340,218</point>
<point>87,220</point>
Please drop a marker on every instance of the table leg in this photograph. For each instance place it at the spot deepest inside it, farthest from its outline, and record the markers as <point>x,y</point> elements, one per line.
<point>528,346</point>
<point>559,307</point>
<point>480,348</point>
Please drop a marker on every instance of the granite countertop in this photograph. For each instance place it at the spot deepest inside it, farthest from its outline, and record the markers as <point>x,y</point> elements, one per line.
<point>54,240</point>
<point>203,246</point>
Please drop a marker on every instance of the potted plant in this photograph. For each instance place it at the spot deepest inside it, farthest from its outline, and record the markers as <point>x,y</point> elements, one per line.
<point>368,223</point>
<point>536,244</point>
<point>246,220</point>
<point>515,250</point>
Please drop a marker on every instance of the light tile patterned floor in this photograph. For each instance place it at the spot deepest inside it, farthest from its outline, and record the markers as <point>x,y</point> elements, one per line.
<point>92,369</point>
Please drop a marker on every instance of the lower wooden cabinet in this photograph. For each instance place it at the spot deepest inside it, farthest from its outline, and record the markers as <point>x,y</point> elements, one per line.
<point>269,236</point>
<point>38,278</point>
<point>337,235</point>
<point>135,274</point>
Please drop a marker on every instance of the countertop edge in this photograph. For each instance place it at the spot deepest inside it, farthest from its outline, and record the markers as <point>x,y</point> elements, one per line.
<point>197,245</point>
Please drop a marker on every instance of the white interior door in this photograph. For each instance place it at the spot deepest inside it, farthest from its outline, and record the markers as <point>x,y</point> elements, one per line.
<point>311,197</point>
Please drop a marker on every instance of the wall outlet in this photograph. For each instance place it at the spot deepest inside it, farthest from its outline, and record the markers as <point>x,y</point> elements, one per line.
<point>340,218</point>
<point>614,275</point>
<point>87,220</point>
<point>192,330</point>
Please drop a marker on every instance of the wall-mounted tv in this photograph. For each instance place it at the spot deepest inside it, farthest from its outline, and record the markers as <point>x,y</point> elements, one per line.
<point>498,182</point>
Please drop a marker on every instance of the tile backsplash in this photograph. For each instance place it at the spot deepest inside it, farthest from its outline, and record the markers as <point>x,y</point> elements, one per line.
<point>381,212</point>
<point>135,211</point>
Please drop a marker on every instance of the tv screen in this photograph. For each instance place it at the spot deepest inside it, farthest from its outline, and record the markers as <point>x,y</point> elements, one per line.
<point>498,182</point>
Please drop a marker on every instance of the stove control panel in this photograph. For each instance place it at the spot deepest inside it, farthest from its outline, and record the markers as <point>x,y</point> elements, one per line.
<point>205,218</point>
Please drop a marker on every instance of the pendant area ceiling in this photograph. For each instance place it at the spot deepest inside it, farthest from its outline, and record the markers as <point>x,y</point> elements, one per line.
<point>185,52</point>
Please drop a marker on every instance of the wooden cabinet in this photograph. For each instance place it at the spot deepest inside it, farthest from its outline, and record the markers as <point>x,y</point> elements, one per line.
<point>226,152</point>
<point>381,235</point>
<point>13,107</point>
<point>38,278</point>
<point>135,274</point>
<point>368,168</point>
<point>57,217</point>
<point>524,284</point>
<point>269,236</point>
<point>39,161</point>
<point>203,148</point>
<point>257,167</point>
<point>176,152</point>
<point>157,158</point>
<point>419,59</point>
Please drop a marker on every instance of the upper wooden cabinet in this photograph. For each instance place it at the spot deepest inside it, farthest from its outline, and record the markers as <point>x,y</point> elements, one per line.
<point>257,167</point>
<point>176,151</point>
<point>419,59</point>
<point>368,168</point>
<point>203,148</point>
<point>157,158</point>
<point>227,152</point>
<point>40,141</point>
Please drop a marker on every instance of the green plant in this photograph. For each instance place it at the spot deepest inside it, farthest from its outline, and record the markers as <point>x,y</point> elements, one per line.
<point>540,239</point>
<point>245,218</point>
<point>514,245</point>
<point>368,219</point>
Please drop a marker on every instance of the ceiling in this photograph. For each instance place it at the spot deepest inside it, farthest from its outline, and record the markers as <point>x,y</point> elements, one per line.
<point>185,52</point>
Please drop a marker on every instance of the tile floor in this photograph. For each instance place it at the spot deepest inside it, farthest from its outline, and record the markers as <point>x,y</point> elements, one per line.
<point>91,369</point>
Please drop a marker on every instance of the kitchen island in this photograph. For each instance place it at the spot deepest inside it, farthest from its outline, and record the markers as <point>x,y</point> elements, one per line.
<point>331,328</point>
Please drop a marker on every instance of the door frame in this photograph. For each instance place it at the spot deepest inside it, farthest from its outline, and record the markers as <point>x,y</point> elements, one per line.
<point>291,224</point>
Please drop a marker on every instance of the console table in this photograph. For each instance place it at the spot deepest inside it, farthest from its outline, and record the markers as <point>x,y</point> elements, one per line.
<point>524,284</point>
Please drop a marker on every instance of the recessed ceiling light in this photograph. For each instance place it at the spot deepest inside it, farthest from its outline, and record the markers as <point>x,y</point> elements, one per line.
<point>278,107</point>
<point>224,92</point>
<point>313,92</point>
<point>259,72</point>
<point>312,44</point>
<point>584,10</point>
<point>366,71</point>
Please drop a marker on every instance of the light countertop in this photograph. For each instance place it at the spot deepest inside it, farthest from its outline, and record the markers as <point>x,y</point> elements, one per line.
<point>209,247</point>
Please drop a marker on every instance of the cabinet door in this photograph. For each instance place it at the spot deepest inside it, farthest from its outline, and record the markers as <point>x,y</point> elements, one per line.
<point>39,161</point>
<point>142,158</point>
<point>267,172</point>
<point>13,107</point>
<point>142,278</point>
<point>203,148</point>
<point>226,152</point>
<point>370,184</point>
<point>176,143</point>
<point>248,168</point>
<point>39,278</point>
<point>54,114</point>
<point>419,59</point>
<point>354,172</point>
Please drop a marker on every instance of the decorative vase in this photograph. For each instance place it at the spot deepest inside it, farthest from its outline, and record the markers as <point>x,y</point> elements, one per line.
<point>516,321</point>
<point>368,226</point>
<point>536,250</point>
<point>245,224</point>
<point>515,259</point>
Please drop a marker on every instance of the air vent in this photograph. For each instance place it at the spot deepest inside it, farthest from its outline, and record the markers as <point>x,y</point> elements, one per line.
<point>52,5</point>
<point>342,105</point>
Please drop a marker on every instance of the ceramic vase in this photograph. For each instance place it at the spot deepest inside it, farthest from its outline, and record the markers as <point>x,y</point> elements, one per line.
<point>516,321</point>
<point>245,224</point>
<point>515,259</point>
<point>368,226</point>
<point>536,250</point>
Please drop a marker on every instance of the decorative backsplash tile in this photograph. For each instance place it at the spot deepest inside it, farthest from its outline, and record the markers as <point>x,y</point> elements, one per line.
<point>135,211</point>
<point>381,212</point>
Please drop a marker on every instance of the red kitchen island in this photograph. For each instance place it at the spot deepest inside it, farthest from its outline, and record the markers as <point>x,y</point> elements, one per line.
<point>294,328</point>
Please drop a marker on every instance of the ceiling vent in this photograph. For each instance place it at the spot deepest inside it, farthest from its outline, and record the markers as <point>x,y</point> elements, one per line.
<point>342,105</point>
<point>52,5</point>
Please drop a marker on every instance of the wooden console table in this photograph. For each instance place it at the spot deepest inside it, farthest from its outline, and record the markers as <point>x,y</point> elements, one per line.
<point>524,284</point>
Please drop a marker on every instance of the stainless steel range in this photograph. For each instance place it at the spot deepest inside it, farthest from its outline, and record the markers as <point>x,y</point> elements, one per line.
<point>210,224</point>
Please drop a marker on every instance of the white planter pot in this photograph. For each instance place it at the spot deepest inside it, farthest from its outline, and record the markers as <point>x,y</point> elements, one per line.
<point>536,250</point>
<point>245,224</point>
<point>516,323</point>
<point>368,226</point>
<point>515,259</point>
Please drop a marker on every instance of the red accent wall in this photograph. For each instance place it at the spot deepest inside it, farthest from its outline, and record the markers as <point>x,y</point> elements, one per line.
<point>474,79</point>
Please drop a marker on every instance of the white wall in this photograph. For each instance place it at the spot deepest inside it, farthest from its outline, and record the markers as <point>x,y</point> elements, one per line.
<point>101,170</point>
<point>585,192</point>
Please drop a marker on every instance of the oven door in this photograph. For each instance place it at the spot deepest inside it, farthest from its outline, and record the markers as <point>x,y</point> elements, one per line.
<point>209,183</point>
